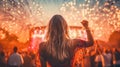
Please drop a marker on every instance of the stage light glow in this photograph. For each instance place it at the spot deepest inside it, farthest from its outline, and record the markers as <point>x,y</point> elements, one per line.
<point>20,16</point>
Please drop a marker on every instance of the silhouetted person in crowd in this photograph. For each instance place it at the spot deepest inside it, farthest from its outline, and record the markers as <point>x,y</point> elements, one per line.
<point>33,56</point>
<point>98,53</point>
<point>27,60</point>
<point>106,58</point>
<point>86,59</point>
<point>15,59</point>
<point>116,57</point>
<point>58,49</point>
<point>2,59</point>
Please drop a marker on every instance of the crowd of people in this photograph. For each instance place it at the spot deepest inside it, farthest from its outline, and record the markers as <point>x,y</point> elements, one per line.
<point>87,57</point>
<point>99,57</point>
<point>18,59</point>
<point>58,50</point>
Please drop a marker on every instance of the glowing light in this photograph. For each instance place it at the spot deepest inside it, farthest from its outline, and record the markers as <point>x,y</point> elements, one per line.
<point>18,17</point>
<point>2,35</point>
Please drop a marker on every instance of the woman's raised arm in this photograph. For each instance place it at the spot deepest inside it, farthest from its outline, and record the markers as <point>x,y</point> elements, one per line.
<point>90,41</point>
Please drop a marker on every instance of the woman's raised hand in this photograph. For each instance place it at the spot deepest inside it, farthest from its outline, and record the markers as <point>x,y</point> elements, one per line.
<point>85,23</point>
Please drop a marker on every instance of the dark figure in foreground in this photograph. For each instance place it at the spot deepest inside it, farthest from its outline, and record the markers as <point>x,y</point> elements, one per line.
<point>2,59</point>
<point>58,49</point>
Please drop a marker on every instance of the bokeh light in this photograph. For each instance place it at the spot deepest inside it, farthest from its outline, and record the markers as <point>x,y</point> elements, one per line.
<point>18,17</point>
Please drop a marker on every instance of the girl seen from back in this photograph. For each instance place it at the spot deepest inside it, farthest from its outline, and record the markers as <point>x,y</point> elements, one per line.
<point>58,49</point>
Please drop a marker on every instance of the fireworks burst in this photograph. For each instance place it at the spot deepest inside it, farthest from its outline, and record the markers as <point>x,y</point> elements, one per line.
<point>19,16</point>
<point>103,17</point>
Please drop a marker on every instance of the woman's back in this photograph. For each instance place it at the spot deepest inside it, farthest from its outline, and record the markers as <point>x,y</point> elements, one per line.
<point>55,61</point>
<point>58,49</point>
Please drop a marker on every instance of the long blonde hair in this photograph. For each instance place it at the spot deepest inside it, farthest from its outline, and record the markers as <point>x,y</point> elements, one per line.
<point>57,37</point>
